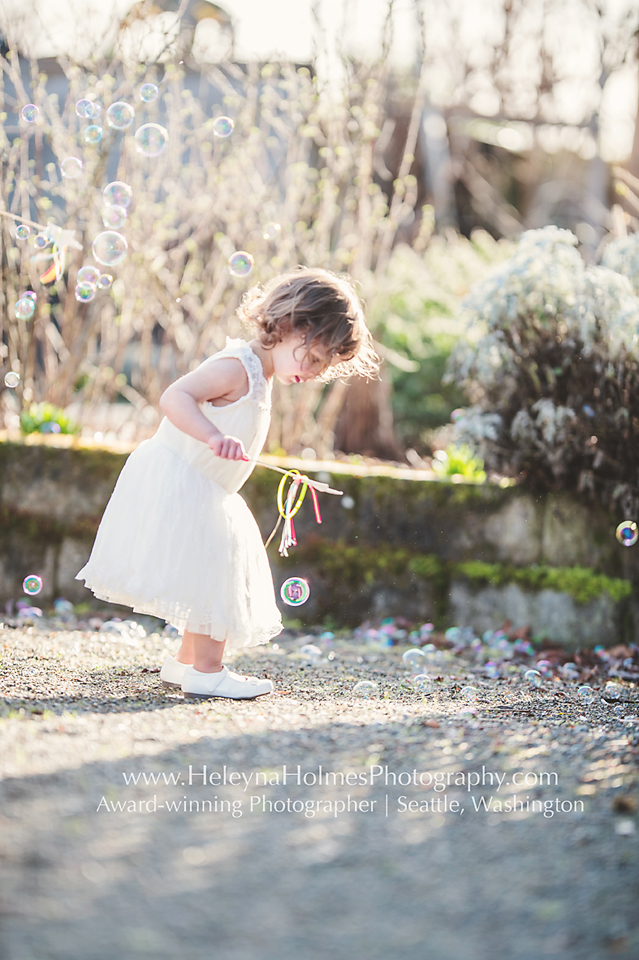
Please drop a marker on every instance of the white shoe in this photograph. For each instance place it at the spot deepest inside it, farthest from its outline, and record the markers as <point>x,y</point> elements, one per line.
<point>223,684</point>
<point>172,672</point>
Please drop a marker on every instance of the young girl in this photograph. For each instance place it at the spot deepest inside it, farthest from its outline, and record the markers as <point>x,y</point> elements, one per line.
<point>176,540</point>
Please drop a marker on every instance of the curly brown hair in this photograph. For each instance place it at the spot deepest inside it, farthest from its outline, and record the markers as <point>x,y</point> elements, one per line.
<point>325,308</point>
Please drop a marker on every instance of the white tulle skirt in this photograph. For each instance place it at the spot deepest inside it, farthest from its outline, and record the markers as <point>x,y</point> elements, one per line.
<point>174,544</point>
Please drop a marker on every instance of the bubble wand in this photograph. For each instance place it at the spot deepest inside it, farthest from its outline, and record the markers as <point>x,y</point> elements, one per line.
<point>288,508</point>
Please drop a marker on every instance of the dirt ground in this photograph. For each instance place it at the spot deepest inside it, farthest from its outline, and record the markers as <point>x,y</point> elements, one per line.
<point>398,861</point>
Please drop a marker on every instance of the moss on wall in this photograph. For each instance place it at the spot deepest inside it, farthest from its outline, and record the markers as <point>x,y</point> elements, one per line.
<point>581,583</point>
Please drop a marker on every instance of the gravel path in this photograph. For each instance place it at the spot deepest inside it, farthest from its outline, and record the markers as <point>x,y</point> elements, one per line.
<point>95,868</point>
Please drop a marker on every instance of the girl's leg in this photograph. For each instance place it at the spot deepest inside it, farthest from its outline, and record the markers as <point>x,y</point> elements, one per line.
<point>201,651</point>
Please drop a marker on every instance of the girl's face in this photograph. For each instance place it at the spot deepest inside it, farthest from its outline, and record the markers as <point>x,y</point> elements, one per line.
<point>292,363</point>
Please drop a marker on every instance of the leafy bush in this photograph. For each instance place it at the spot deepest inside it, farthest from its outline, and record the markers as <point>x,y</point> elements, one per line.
<point>46,418</point>
<point>549,364</point>
<point>459,462</point>
<point>413,310</point>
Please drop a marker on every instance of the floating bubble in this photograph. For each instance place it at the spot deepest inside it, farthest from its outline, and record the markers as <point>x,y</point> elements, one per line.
<point>544,667</point>
<point>588,410</point>
<point>470,693</point>
<point>534,677</point>
<point>295,591</point>
<point>241,263</point>
<point>28,613</point>
<point>365,688</point>
<point>11,379</point>
<point>627,533</point>
<point>32,585</point>
<point>84,292</point>
<point>414,660</point>
<point>71,168</point>
<point>93,133</point>
<point>88,274</point>
<point>223,127</point>
<point>22,231</point>
<point>457,415</point>
<point>113,216</point>
<point>570,671</point>
<point>87,109</point>
<point>151,139</point>
<point>62,606</point>
<point>30,112</point>
<point>148,92</point>
<point>41,240</point>
<point>613,690</point>
<point>50,427</point>
<point>311,652</point>
<point>109,248</point>
<point>170,630</point>
<point>104,281</point>
<point>468,712</point>
<point>120,115</point>
<point>423,683</point>
<point>271,231</point>
<point>25,308</point>
<point>117,194</point>
<point>586,693</point>
<point>347,502</point>
<point>115,627</point>
<point>492,670</point>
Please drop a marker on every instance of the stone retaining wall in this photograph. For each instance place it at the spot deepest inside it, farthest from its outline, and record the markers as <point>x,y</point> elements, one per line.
<point>404,546</point>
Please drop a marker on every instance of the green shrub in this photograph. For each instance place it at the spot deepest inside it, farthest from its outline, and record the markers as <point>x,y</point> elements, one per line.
<point>459,462</point>
<point>550,365</point>
<point>46,418</point>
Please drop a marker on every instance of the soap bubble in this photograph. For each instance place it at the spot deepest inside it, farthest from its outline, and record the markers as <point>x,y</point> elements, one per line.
<point>62,606</point>
<point>93,133</point>
<point>41,240</point>
<point>365,688</point>
<point>32,584</point>
<point>84,292</point>
<point>117,194</point>
<point>570,671</point>
<point>104,281</point>
<point>120,115</point>
<point>457,415</point>
<point>613,690</point>
<point>492,670</point>
<point>71,168</point>
<point>470,693</point>
<point>627,533</point>
<point>30,295</point>
<point>414,659</point>
<point>586,693</point>
<point>148,92</point>
<point>347,502</point>
<point>223,127</point>
<point>311,652</point>
<point>423,683</point>
<point>87,109</point>
<point>22,231</point>
<point>271,231</point>
<point>25,308</point>
<point>534,677</point>
<point>151,139</point>
<point>587,409</point>
<point>30,112</point>
<point>113,216</point>
<point>50,426</point>
<point>295,591</point>
<point>544,667</point>
<point>109,248</point>
<point>11,379</point>
<point>241,263</point>
<point>88,274</point>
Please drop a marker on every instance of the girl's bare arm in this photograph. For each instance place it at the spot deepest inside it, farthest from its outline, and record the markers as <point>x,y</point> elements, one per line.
<point>220,379</point>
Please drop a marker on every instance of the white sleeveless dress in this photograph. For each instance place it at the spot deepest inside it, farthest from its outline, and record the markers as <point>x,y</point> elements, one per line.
<point>177,541</point>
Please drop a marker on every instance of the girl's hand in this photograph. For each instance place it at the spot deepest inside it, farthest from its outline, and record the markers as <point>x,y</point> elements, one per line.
<point>229,448</point>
